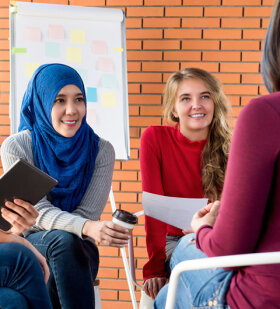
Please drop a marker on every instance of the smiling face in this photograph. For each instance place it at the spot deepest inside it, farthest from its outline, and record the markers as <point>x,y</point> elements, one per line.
<point>195,109</point>
<point>68,111</point>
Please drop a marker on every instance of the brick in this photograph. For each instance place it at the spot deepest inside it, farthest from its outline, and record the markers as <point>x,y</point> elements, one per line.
<point>150,110</point>
<point>4,120</point>
<point>141,241</point>
<point>116,186</point>
<point>252,79</point>
<point>246,99</point>
<point>144,34</point>
<point>183,11</point>
<point>200,44</point>
<point>234,100</point>
<point>135,143</point>
<point>123,295</point>
<point>4,23</point>
<point>134,132</point>
<point>108,251</point>
<point>144,77</point>
<point>4,55</point>
<point>111,284</point>
<point>87,2</point>
<point>4,87</point>
<point>240,89</point>
<point>222,34</point>
<point>262,90</point>
<point>131,165</point>
<point>162,2</point>
<point>133,23</point>
<point>131,186</point>
<point>4,12</point>
<point>201,2</point>
<point>221,56</point>
<point>208,66</point>
<point>4,130</point>
<point>144,55</point>
<point>4,34</point>
<point>161,22</point>
<point>260,11</point>
<point>4,76</point>
<point>234,111</point>
<point>4,65</point>
<point>182,55</point>
<point>144,99</point>
<point>242,23</point>
<point>161,44</point>
<point>116,305</point>
<point>133,88</point>
<point>265,22</point>
<point>133,44</point>
<point>268,2</point>
<point>240,67</point>
<point>144,11</point>
<point>134,153</point>
<point>65,2</point>
<point>240,45</point>
<point>133,66</point>
<point>152,88</point>
<point>182,33</point>
<point>144,121</point>
<point>160,66</point>
<point>252,56</point>
<point>4,44</point>
<point>201,22</point>
<point>241,2</point>
<point>4,98</point>
<point>108,294</point>
<point>228,78</point>
<point>254,33</point>
<point>134,110</point>
<point>123,2</point>
<point>125,175</point>
<point>223,11</point>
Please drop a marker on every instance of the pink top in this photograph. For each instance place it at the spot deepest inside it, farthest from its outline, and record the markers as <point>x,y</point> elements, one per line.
<point>249,217</point>
<point>170,165</point>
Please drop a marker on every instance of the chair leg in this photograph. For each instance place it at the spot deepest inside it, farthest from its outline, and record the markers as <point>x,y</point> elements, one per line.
<point>97,294</point>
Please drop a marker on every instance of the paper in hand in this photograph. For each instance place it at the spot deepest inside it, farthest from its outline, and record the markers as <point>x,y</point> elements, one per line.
<point>176,211</point>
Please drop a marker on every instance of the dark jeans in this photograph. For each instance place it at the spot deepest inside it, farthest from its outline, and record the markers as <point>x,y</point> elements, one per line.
<point>22,284</point>
<point>73,266</point>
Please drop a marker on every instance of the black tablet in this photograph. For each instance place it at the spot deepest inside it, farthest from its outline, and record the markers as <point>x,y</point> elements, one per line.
<point>26,182</point>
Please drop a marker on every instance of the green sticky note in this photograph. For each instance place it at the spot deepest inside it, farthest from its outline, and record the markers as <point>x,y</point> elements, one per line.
<point>108,99</point>
<point>30,68</point>
<point>109,81</point>
<point>52,49</point>
<point>77,36</point>
<point>74,54</point>
<point>17,50</point>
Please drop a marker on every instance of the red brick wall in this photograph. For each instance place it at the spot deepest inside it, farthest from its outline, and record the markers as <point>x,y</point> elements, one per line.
<point>222,36</point>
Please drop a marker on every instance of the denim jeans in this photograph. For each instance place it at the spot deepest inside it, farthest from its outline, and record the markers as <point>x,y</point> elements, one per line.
<point>73,266</point>
<point>205,288</point>
<point>22,283</point>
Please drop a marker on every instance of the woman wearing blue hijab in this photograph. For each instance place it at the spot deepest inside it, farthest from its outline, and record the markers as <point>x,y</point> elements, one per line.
<point>55,137</point>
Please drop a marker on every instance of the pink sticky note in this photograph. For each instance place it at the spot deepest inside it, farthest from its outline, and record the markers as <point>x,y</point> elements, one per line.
<point>33,34</point>
<point>56,32</point>
<point>91,116</point>
<point>99,47</point>
<point>105,64</point>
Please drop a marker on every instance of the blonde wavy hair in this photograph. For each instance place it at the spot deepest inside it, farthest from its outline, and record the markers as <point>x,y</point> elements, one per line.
<point>215,152</point>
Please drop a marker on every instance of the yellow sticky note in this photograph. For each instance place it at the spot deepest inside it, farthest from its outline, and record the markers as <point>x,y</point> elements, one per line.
<point>108,99</point>
<point>118,49</point>
<point>30,68</point>
<point>74,54</point>
<point>77,36</point>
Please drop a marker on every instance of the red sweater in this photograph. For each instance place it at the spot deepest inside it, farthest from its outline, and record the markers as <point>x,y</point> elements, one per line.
<point>170,165</point>
<point>249,217</point>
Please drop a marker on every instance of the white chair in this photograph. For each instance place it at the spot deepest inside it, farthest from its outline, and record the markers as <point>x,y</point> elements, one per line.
<point>97,294</point>
<point>213,262</point>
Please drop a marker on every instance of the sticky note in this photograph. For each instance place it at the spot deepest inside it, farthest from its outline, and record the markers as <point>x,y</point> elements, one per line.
<point>91,94</point>
<point>108,99</point>
<point>17,50</point>
<point>74,54</point>
<point>99,47</point>
<point>77,36</point>
<point>91,115</point>
<point>52,49</point>
<point>118,49</point>
<point>33,34</point>
<point>55,32</point>
<point>108,81</point>
<point>30,68</point>
<point>105,64</point>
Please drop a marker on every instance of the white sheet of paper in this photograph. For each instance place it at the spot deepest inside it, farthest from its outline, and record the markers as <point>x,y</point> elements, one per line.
<point>176,211</point>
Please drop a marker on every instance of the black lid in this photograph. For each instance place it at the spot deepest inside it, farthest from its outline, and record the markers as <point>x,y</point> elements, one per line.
<point>125,216</point>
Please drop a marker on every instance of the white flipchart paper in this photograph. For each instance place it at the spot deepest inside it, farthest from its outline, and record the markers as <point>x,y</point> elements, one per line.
<point>176,211</point>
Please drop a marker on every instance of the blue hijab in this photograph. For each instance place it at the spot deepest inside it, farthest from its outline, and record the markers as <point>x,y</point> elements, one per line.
<point>70,160</point>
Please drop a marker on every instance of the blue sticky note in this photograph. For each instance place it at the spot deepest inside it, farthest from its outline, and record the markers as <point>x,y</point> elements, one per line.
<point>52,49</point>
<point>83,74</point>
<point>91,94</point>
<point>108,81</point>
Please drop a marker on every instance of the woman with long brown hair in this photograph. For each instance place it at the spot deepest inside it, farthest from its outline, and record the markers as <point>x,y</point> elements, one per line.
<point>186,159</point>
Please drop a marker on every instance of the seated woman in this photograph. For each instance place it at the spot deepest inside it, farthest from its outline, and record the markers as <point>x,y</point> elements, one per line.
<point>55,137</point>
<point>185,160</point>
<point>22,283</point>
<point>249,216</point>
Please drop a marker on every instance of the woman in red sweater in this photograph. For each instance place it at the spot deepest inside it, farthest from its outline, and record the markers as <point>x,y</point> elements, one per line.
<point>187,159</point>
<point>248,220</point>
